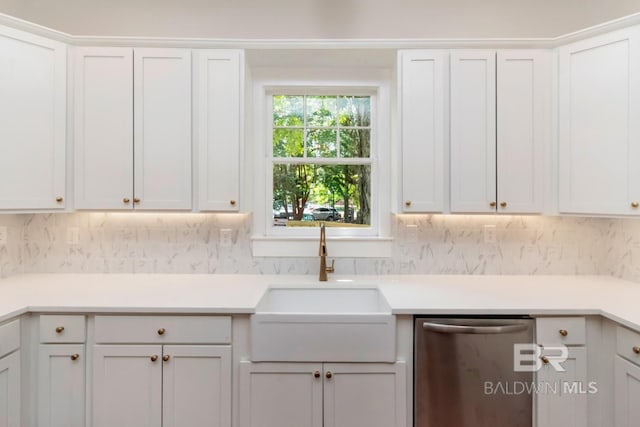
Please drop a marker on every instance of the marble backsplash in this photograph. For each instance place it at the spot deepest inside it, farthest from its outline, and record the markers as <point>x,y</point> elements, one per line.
<point>189,243</point>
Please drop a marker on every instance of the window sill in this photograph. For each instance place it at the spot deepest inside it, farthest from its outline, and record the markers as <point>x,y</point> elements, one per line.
<point>338,247</point>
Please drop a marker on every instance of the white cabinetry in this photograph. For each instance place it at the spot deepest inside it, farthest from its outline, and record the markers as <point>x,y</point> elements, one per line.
<point>219,99</point>
<point>165,380</point>
<point>61,371</point>
<point>322,395</point>
<point>562,400</point>
<point>121,163</point>
<point>499,130</point>
<point>10,379</point>
<point>32,121</point>
<point>627,378</point>
<point>423,83</point>
<point>599,130</point>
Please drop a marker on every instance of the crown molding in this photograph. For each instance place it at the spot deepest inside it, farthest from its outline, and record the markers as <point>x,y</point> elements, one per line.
<point>435,43</point>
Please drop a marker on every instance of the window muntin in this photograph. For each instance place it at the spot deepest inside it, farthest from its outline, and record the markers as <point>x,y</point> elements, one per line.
<point>321,164</point>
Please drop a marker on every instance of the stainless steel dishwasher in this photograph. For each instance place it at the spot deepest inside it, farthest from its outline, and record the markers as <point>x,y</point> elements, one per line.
<point>464,372</point>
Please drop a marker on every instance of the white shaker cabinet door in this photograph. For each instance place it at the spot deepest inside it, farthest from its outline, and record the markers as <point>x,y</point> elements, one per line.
<point>103,134</point>
<point>10,390</point>
<point>32,121</point>
<point>626,393</point>
<point>219,91</point>
<point>523,129</point>
<point>281,394</point>
<point>162,143</point>
<point>196,386</point>
<point>599,129</point>
<point>473,131</point>
<point>127,386</point>
<point>61,385</point>
<point>365,395</point>
<point>422,86</point>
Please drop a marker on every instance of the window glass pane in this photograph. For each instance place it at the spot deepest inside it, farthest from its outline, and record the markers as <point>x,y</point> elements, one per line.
<point>322,143</point>
<point>288,110</point>
<point>340,195</point>
<point>288,142</point>
<point>321,111</point>
<point>355,143</point>
<point>354,111</point>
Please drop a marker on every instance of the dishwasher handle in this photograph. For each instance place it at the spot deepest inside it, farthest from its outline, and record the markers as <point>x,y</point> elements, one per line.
<point>468,329</point>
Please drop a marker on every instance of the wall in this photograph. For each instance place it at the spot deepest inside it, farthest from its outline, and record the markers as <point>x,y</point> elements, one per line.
<point>11,261</point>
<point>320,18</point>
<point>188,243</point>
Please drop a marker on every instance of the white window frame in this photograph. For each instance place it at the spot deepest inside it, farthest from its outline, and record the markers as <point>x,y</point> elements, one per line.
<point>269,240</point>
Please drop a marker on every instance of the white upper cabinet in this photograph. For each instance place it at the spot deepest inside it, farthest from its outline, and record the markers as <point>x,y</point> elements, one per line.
<point>523,129</point>
<point>122,163</point>
<point>32,121</point>
<point>473,131</point>
<point>599,125</point>
<point>500,130</point>
<point>422,84</point>
<point>219,92</point>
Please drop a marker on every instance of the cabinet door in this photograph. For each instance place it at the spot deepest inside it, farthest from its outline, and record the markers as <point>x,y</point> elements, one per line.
<point>61,388</point>
<point>599,130</point>
<point>162,82</point>
<point>422,88</point>
<point>280,394</point>
<point>10,390</point>
<point>32,121</point>
<point>523,133</point>
<point>127,386</point>
<point>627,393</point>
<point>473,131</point>
<point>562,399</point>
<point>196,382</point>
<point>219,89</point>
<point>103,128</point>
<point>365,395</point>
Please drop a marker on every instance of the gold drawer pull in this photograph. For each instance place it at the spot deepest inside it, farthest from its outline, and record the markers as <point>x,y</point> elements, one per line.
<point>126,200</point>
<point>154,357</point>
<point>492,204</point>
<point>636,350</point>
<point>328,375</point>
<point>136,200</point>
<point>59,329</point>
<point>635,204</point>
<point>544,359</point>
<point>75,356</point>
<point>166,358</point>
<point>59,199</point>
<point>161,331</point>
<point>316,374</point>
<point>407,203</point>
<point>503,205</point>
<point>563,332</point>
<point>232,202</point>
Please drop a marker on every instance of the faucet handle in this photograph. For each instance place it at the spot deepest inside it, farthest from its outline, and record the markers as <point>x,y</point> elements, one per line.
<point>331,269</point>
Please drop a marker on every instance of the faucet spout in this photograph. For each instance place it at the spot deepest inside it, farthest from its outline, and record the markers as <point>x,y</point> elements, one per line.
<point>322,253</point>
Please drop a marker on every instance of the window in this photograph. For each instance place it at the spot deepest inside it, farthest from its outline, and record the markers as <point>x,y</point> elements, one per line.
<point>321,162</point>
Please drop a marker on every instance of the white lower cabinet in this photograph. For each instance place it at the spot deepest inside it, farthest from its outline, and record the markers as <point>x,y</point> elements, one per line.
<point>156,385</point>
<point>627,393</point>
<point>322,395</point>
<point>61,385</point>
<point>10,390</point>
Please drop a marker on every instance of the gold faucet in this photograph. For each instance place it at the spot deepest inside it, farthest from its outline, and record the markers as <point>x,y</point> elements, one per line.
<point>322,252</point>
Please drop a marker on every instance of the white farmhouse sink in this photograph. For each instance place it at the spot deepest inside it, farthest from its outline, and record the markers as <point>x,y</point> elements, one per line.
<point>323,324</point>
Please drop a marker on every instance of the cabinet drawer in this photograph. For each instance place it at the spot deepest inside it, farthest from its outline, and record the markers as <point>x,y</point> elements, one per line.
<point>163,329</point>
<point>9,337</point>
<point>628,344</point>
<point>561,330</point>
<point>62,329</point>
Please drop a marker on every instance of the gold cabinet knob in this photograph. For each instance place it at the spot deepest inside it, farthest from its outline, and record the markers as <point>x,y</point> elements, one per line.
<point>59,199</point>
<point>635,204</point>
<point>636,350</point>
<point>316,374</point>
<point>503,205</point>
<point>59,329</point>
<point>126,200</point>
<point>75,356</point>
<point>161,331</point>
<point>154,358</point>
<point>563,332</point>
<point>136,200</point>
<point>329,375</point>
<point>232,202</point>
<point>544,359</point>
<point>492,204</point>
<point>407,203</point>
<point>166,358</point>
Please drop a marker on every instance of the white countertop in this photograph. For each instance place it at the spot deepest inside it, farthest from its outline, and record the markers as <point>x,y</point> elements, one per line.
<point>613,298</point>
